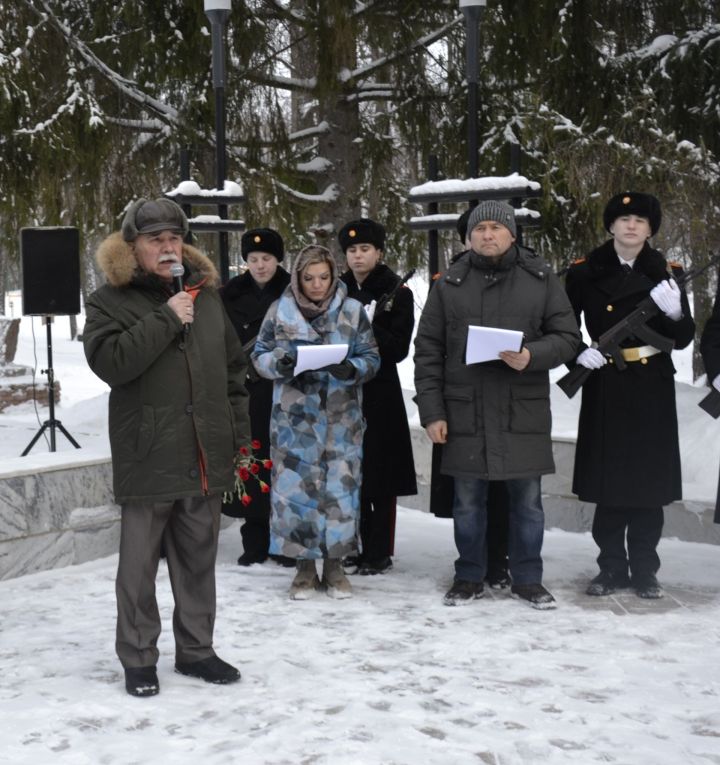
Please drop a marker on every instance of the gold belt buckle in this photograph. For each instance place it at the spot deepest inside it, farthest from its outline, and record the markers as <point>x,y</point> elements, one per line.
<point>631,354</point>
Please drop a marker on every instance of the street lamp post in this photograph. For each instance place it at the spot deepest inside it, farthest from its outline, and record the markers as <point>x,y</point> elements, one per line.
<point>472,9</point>
<point>218,12</point>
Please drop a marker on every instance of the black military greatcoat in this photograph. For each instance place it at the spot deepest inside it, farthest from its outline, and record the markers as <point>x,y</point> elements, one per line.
<point>627,449</point>
<point>388,465</point>
<point>246,305</point>
<point>710,349</point>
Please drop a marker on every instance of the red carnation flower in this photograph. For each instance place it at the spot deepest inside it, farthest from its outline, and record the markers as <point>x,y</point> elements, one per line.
<point>244,473</point>
<point>267,464</point>
<point>254,468</point>
<point>246,499</point>
<point>244,451</point>
<point>255,443</point>
<point>264,488</point>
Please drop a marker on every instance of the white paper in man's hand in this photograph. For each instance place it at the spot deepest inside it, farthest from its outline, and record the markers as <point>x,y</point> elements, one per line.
<point>319,356</point>
<point>486,343</point>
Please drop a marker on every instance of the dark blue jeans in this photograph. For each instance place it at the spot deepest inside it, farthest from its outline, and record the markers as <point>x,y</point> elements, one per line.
<point>527,524</point>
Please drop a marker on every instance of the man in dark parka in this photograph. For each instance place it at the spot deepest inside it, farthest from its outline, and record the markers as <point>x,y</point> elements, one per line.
<point>494,418</point>
<point>388,469</point>
<point>247,298</point>
<point>627,459</point>
<point>177,416</point>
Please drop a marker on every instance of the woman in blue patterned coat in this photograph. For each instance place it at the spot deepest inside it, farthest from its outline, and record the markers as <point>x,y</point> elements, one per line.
<point>316,427</point>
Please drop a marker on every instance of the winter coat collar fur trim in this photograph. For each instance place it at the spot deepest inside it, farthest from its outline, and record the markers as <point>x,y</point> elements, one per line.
<point>603,261</point>
<point>244,284</point>
<point>380,280</point>
<point>117,262</point>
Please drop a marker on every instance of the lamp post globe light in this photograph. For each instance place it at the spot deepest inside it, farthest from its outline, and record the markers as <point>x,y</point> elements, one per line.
<point>472,9</point>
<point>218,12</point>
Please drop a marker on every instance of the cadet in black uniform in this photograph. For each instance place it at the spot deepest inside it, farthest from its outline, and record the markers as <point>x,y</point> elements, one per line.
<point>628,459</point>
<point>247,298</point>
<point>388,469</point>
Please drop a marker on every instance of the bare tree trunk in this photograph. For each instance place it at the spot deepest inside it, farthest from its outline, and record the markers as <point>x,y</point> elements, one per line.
<point>337,46</point>
<point>3,284</point>
<point>303,59</point>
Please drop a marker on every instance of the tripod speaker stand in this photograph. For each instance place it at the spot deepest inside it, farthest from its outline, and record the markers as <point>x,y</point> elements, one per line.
<point>50,424</point>
<point>51,287</point>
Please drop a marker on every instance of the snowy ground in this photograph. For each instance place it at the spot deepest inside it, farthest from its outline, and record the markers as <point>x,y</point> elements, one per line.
<point>391,677</point>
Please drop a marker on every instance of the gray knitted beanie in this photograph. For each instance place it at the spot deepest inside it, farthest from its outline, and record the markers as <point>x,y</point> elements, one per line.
<point>491,209</point>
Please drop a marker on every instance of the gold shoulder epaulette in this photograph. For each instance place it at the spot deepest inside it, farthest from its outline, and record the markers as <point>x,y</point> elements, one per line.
<point>578,261</point>
<point>674,264</point>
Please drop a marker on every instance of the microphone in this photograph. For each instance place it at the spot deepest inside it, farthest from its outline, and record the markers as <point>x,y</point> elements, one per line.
<point>177,271</point>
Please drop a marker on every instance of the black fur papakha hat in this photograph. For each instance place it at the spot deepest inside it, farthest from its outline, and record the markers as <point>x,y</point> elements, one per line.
<point>362,231</point>
<point>262,240</point>
<point>462,223</point>
<point>633,203</point>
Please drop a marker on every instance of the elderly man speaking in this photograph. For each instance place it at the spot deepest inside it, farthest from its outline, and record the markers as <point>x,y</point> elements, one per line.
<point>178,413</point>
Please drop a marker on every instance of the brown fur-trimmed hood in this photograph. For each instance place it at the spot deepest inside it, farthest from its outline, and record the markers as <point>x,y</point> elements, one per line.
<point>117,261</point>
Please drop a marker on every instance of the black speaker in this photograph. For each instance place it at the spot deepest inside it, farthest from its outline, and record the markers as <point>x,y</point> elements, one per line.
<point>50,270</point>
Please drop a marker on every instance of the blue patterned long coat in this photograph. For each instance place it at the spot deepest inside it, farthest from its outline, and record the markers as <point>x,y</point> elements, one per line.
<point>316,428</point>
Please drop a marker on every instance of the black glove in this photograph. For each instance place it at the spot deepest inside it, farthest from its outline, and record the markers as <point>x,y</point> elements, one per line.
<point>285,365</point>
<point>343,371</point>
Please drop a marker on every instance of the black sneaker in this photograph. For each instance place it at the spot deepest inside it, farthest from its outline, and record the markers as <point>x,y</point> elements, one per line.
<point>534,594</point>
<point>248,560</point>
<point>498,579</point>
<point>351,564</point>
<point>142,681</point>
<point>647,586</point>
<point>371,567</point>
<point>211,670</point>
<point>606,582</point>
<point>463,592</point>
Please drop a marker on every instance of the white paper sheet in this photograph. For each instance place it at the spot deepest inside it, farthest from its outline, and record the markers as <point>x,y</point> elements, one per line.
<point>485,343</point>
<point>318,356</point>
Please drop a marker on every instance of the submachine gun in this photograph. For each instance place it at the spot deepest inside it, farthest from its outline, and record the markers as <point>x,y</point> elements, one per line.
<point>634,323</point>
<point>385,299</point>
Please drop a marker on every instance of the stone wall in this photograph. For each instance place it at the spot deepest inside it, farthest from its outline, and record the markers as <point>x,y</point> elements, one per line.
<point>689,520</point>
<point>57,516</point>
<point>64,513</point>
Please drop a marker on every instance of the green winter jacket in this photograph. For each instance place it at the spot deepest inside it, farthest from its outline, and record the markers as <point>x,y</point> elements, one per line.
<point>178,407</point>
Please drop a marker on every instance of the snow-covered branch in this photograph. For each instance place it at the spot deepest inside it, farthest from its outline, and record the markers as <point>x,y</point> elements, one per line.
<point>665,47</point>
<point>423,42</point>
<point>68,105</point>
<point>282,83</point>
<point>319,129</point>
<point>166,112</point>
<point>144,126</point>
<point>330,194</point>
<point>290,14</point>
<point>316,165</point>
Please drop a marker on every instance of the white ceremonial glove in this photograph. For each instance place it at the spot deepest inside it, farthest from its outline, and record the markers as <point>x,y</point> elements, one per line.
<point>716,383</point>
<point>370,310</point>
<point>666,296</point>
<point>591,358</point>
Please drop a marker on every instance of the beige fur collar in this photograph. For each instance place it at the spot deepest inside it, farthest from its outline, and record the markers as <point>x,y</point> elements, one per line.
<point>117,261</point>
